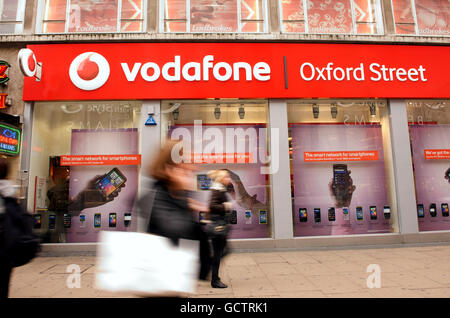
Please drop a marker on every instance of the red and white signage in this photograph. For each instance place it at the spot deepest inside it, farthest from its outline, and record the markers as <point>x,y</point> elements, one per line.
<point>101,160</point>
<point>238,70</point>
<point>319,156</point>
<point>437,154</point>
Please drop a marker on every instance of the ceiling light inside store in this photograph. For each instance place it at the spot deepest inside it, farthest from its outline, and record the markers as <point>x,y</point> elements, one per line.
<point>315,111</point>
<point>241,112</point>
<point>175,114</point>
<point>217,112</point>
<point>334,111</point>
<point>373,110</point>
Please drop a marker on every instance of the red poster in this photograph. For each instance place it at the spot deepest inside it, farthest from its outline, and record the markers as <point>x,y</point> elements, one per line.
<point>433,17</point>
<point>93,16</point>
<point>330,16</point>
<point>214,16</point>
<point>437,154</point>
<point>320,156</point>
<point>100,160</point>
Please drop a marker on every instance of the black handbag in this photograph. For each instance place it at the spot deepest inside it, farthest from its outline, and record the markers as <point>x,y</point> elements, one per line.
<point>217,228</point>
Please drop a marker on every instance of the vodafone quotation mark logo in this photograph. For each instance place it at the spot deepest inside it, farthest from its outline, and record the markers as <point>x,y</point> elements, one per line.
<point>89,71</point>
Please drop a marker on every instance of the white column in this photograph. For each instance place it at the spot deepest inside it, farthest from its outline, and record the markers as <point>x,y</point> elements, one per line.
<point>282,222</point>
<point>404,177</point>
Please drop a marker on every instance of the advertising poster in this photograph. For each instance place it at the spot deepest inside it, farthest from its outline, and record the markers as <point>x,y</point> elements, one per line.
<point>115,212</point>
<point>431,159</point>
<point>93,16</point>
<point>339,179</point>
<point>250,216</point>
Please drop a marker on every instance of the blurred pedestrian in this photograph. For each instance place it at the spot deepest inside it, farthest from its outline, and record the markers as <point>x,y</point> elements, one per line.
<point>219,208</point>
<point>172,210</point>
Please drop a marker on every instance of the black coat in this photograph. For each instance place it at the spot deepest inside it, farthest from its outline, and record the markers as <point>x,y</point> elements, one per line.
<point>216,207</point>
<point>172,217</point>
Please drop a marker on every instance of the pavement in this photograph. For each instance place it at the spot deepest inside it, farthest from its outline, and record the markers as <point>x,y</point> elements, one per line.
<point>406,271</point>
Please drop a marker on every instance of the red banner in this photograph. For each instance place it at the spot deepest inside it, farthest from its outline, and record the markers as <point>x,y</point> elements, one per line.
<point>101,160</point>
<point>319,156</point>
<point>437,154</point>
<point>246,70</point>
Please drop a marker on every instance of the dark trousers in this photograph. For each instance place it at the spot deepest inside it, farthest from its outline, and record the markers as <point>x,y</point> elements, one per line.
<point>218,244</point>
<point>5,275</point>
<point>205,256</point>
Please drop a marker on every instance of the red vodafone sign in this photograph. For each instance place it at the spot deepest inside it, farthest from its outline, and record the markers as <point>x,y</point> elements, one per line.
<point>238,70</point>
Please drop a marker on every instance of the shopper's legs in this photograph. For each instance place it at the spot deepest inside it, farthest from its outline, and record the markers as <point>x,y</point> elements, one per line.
<point>218,246</point>
<point>5,275</point>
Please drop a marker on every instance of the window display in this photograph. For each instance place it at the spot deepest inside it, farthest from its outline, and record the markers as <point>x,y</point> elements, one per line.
<point>216,16</point>
<point>84,168</point>
<point>341,168</point>
<point>429,129</point>
<point>422,17</point>
<point>331,16</point>
<point>229,135</point>
<point>11,16</point>
<point>81,16</point>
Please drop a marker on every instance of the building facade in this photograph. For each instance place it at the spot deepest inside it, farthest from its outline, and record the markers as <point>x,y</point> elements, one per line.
<point>333,117</point>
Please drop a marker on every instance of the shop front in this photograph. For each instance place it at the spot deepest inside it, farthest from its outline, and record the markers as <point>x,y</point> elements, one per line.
<point>314,137</point>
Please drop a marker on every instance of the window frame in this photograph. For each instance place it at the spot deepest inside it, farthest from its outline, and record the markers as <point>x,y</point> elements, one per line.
<point>41,21</point>
<point>240,22</point>
<point>416,25</point>
<point>20,15</point>
<point>378,13</point>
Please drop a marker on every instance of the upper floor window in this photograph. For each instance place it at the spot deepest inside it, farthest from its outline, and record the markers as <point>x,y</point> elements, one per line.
<point>213,16</point>
<point>11,16</point>
<point>87,16</point>
<point>331,16</point>
<point>422,17</point>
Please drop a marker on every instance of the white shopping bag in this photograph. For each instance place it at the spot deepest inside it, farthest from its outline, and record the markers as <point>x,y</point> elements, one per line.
<point>146,264</point>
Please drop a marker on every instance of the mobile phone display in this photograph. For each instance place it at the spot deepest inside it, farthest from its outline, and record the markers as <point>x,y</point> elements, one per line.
<point>112,219</point>
<point>433,210</point>
<point>345,214</point>
<point>111,182</point>
<point>37,221</point>
<point>233,217</point>
<point>67,220</point>
<point>97,220</point>
<point>82,220</point>
<point>373,212</point>
<point>317,217</point>
<point>387,212</point>
<point>303,215</point>
<point>51,221</point>
<point>331,214</point>
<point>341,183</point>
<point>420,211</point>
<point>262,217</point>
<point>359,213</point>
<point>127,219</point>
<point>248,217</point>
<point>444,207</point>
<point>203,182</point>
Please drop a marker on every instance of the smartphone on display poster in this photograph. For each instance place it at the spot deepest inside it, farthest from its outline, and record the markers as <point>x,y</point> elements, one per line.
<point>248,217</point>
<point>82,220</point>
<point>51,221</point>
<point>331,214</point>
<point>387,212</point>
<point>341,183</point>
<point>262,217</point>
<point>317,217</point>
<point>97,220</point>
<point>444,207</point>
<point>111,182</point>
<point>373,212</point>
<point>67,220</point>
<point>303,215</point>
<point>37,221</point>
<point>345,213</point>
<point>233,217</point>
<point>359,213</point>
<point>127,219</point>
<point>420,211</point>
<point>112,219</point>
<point>433,210</point>
<point>203,182</point>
